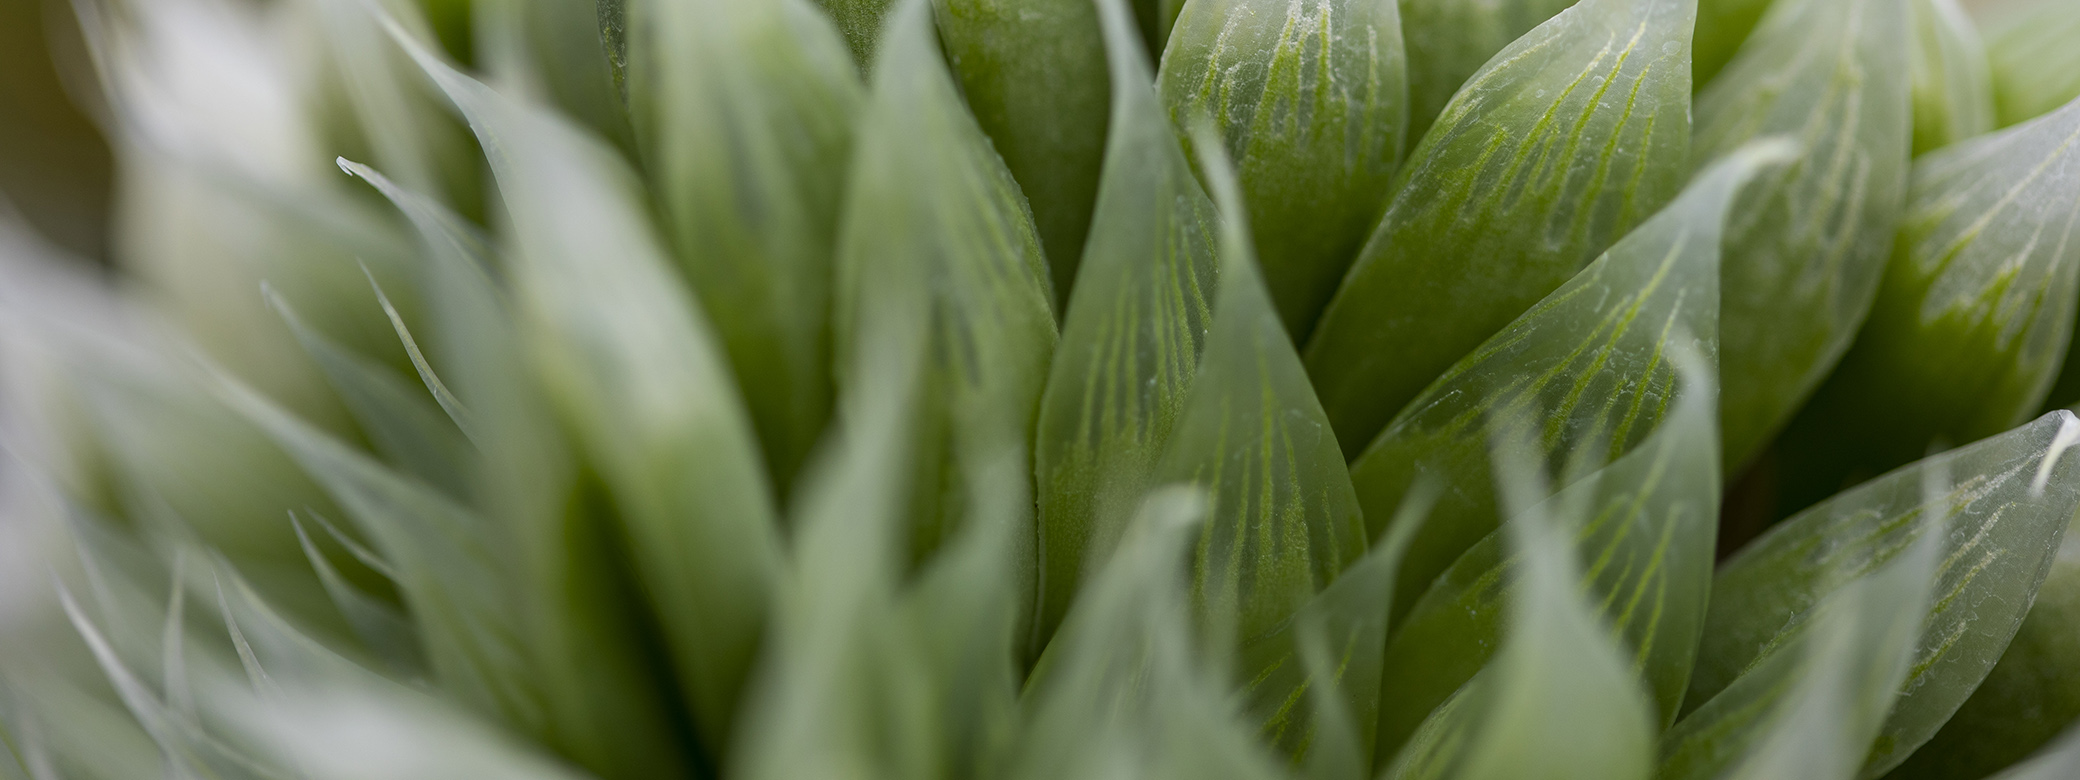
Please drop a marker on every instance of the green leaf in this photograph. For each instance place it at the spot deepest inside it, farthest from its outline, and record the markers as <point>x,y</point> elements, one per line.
<point>1131,334</point>
<point>1953,84</point>
<point>744,109</point>
<point>556,50</point>
<point>1560,145</point>
<point>1807,244</point>
<point>401,119</point>
<point>2062,759</point>
<point>1311,100</point>
<point>1034,75</point>
<point>1722,26</point>
<point>1975,312</point>
<point>861,21</point>
<point>1999,522</point>
<point>1450,40</point>
<point>627,356</point>
<point>1587,368</point>
<point>2035,67</point>
<point>1560,699</point>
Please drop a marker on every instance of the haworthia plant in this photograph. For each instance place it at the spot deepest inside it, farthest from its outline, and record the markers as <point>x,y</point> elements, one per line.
<point>1999,507</point>
<point>1034,74</point>
<point>1131,334</point>
<point>1808,243</point>
<point>1722,26</point>
<point>1311,100</point>
<point>1564,141</point>
<point>1449,41</point>
<point>1953,84</point>
<point>1977,307</point>
<point>1588,368</point>
<point>744,114</point>
<point>2033,67</point>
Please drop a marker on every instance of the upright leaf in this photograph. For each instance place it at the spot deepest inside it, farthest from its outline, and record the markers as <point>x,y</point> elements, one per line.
<point>744,109</point>
<point>1034,75</point>
<point>1807,244</point>
<point>1311,101</point>
<point>861,21</point>
<point>563,53</point>
<point>1560,145</point>
<point>2035,67</point>
<point>1999,524</point>
<point>1972,319</point>
<point>1722,26</point>
<point>1449,41</point>
<point>1953,84</point>
<point>1587,369</point>
<point>626,354</point>
<point>1131,335</point>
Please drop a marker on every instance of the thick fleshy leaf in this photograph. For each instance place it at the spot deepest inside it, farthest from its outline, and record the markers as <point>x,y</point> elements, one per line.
<point>1971,321</point>
<point>1644,525</point>
<point>861,22</point>
<point>1311,101</point>
<point>1588,368</point>
<point>1284,520</point>
<point>1807,244</point>
<point>627,356</point>
<point>744,109</point>
<point>1813,704</point>
<point>1953,84</point>
<point>1560,145</point>
<point>1449,41</point>
<point>2036,68</point>
<point>1722,26</point>
<point>2000,507</point>
<point>1034,74</point>
<point>1131,335</point>
<point>1560,699</point>
<point>930,208</point>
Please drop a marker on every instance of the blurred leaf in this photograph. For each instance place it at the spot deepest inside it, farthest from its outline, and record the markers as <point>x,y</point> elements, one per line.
<point>1975,312</point>
<point>1999,523</point>
<point>1034,74</point>
<point>1560,699</point>
<point>1953,85</point>
<point>1311,100</point>
<point>1588,368</point>
<point>2036,68</point>
<point>2060,760</point>
<point>627,356</point>
<point>1131,335</point>
<point>1722,26</point>
<point>556,51</point>
<point>744,109</point>
<point>402,120</point>
<point>1560,145</point>
<point>1806,245</point>
<point>1450,40</point>
<point>861,21</point>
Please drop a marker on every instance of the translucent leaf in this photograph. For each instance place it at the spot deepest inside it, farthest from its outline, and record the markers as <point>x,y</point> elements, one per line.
<point>1311,100</point>
<point>1131,334</point>
<point>1953,84</point>
<point>1974,314</point>
<point>1587,368</point>
<point>1284,521</point>
<point>2035,67</point>
<point>1559,145</point>
<point>2000,522</point>
<point>1807,244</point>
<point>1560,699</point>
<point>627,355</point>
<point>1033,72</point>
<point>744,109</point>
<point>1449,41</point>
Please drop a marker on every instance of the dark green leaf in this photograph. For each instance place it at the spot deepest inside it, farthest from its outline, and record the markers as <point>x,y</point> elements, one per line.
<point>1449,41</point>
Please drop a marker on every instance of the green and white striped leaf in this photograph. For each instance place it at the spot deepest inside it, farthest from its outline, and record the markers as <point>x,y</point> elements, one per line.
<point>1559,146</point>
<point>1311,101</point>
<point>1953,84</point>
<point>2035,67</point>
<point>1131,335</point>
<point>744,110</point>
<point>1975,312</point>
<point>1449,41</point>
<point>1587,369</point>
<point>2000,507</point>
<point>1807,244</point>
<point>1034,74</point>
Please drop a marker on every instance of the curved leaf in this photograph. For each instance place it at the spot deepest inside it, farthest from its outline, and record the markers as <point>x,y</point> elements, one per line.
<point>2036,68</point>
<point>1311,100</point>
<point>1449,41</point>
<point>2062,759</point>
<point>1999,527</point>
<point>744,111</point>
<point>1722,26</point>
<point>1953,84</point>
<point>1807,244</point>
<point>1974,314</point>
<point>1558,147</point>
<point>1131,335</point>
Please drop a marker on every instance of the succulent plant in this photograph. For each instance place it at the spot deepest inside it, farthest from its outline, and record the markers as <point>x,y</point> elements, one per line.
<point>1033,389</point>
